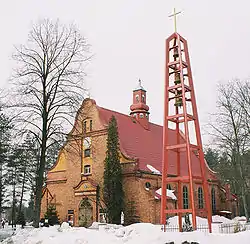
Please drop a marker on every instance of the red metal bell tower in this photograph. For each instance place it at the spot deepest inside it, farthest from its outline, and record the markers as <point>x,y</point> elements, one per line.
<point>180,114</point>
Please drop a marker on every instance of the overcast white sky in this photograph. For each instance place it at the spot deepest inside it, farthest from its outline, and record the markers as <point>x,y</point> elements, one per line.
<point>128,37</point>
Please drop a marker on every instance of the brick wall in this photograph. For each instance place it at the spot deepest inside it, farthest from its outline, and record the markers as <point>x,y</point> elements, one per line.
<point>67,174</point>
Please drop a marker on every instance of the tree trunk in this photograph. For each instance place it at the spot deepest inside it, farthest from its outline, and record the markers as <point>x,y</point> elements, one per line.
<point>39,183</point>
<point>22,192</point>
<point>244,203</point>
<point>41,169</point>
<point>1,189</point>
<point>14,199</point>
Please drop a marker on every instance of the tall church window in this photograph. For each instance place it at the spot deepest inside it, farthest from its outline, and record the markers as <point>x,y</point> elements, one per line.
<point>200,198</point>
<point>185,197</point>
<point>87,170</point>
<point>213,200</point>
<point>85,126</point>
<point>137,98</point>
<point>143,98</point>
<point>87,152</point>
<point>90,125</point>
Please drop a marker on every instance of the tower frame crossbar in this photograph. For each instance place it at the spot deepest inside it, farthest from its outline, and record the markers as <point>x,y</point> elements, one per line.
<point>179,89</point>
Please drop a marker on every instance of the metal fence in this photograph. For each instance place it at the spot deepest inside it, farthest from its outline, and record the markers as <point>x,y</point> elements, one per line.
<point>175,228</point>
<point>233,228</point>
<point>223,228</point>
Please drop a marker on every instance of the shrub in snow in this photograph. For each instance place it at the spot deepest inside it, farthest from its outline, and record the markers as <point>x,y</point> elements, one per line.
<point>52,215</point>
<point>237,227</point>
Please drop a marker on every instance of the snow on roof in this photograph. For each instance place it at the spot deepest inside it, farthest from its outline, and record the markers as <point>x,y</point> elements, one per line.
<point>153,170</point>
<point>170,193</point>
<point>225,211</point>
<point>139,86</point>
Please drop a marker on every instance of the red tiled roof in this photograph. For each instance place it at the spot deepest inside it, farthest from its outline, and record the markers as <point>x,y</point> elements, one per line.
<point>146,145</point>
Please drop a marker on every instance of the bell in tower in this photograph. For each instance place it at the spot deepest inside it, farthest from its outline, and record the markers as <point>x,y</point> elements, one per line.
<point>139,108</point>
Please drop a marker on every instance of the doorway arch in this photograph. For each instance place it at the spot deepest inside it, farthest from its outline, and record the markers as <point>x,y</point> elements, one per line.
<point>85,216</point>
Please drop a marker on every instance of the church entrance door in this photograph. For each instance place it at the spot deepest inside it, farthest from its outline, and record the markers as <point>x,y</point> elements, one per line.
<point>85,213</point>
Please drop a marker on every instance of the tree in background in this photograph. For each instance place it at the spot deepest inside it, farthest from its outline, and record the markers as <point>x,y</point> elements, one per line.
<point>212,157</point>
<point>21,219</point>
<point>112,190</point>
<point>231,133</point>
<point>5,139</point>
<point>29,211</point>
<point>49,88</point>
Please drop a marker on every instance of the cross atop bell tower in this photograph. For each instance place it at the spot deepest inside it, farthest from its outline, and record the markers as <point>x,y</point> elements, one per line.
<point>180,113</point>
<point>175,21</point>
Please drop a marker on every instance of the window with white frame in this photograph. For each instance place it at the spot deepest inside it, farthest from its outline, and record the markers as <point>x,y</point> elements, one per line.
<point>87,170</point>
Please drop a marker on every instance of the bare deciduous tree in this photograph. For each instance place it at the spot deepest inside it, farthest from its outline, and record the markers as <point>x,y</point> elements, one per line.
<point>49,87</point>
<point>231,133</point>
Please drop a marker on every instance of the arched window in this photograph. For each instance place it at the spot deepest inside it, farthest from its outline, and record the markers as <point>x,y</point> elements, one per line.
<point>91,125</point>
<point>147,184</point>
<point>185,197</point>
<point>141,115</point>
<point>200,198</point>
<point>213,201</point>
<point>137,98</point>
<point>84,126</point>
<point>143,98</point>
<point>169,187</point>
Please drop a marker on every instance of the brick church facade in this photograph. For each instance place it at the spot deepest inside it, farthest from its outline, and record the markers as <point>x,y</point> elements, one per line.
<point>74,184</point>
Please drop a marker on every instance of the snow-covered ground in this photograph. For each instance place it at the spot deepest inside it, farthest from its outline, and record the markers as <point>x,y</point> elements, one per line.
<point>5,232</point>
<point>143,233</point>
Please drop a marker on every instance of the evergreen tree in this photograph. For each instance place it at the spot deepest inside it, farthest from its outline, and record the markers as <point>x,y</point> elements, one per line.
<point>30,209</point>
<point>113,191</point>
<point>212,157</point>
<point>21,219</point>
<point>52,215</point>
<point>5,137</point>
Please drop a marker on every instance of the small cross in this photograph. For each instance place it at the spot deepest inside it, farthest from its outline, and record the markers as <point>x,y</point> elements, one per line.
<point>174,15</point>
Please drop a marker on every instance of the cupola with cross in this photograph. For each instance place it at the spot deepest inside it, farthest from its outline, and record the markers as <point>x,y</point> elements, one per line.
<point>139,108</point>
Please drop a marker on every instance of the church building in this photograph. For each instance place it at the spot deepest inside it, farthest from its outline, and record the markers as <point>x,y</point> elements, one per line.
<point>74,184</point>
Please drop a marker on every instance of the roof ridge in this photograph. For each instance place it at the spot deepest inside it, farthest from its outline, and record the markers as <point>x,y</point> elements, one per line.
<point>127,115</point>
